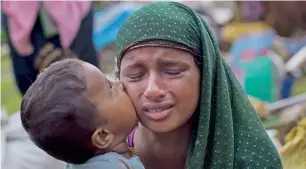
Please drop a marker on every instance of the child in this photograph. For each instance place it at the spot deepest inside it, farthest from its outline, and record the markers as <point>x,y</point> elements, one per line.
<point>76,115</point>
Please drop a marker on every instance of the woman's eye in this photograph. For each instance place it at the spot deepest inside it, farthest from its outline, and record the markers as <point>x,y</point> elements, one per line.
<point>134,77</point>
<point>173,72</point>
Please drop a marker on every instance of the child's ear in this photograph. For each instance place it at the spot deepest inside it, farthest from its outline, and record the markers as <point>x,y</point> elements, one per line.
<point>102,138</point>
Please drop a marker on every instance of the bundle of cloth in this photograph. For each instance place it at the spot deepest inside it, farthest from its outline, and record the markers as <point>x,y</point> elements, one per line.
<point>293,153</point>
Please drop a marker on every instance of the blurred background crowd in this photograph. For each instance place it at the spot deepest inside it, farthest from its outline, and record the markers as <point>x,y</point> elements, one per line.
<point>263,41</point>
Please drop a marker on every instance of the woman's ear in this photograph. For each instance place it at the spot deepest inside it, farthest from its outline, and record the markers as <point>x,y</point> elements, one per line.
<point>102,138</point>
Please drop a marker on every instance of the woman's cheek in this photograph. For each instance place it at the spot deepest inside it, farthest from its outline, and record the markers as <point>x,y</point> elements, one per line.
<point>134,92</point>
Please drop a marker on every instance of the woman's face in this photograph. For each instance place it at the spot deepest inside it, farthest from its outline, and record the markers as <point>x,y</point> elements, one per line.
<point>163,84</point>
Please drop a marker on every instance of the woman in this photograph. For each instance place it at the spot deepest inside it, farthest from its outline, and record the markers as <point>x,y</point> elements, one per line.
<point>193,112</point>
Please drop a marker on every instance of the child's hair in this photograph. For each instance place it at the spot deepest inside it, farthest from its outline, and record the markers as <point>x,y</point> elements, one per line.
<point>57,115</point>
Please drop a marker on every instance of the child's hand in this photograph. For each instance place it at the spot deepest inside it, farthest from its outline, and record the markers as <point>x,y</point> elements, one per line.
<point>50,54</point>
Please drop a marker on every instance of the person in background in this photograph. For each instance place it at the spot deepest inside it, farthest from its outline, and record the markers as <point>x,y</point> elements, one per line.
<point>290,34</point>
<point>249,18</point>
<point>32,25</point>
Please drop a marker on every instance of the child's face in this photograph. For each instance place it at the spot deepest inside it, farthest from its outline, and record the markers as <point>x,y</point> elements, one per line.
<point>112,103</point>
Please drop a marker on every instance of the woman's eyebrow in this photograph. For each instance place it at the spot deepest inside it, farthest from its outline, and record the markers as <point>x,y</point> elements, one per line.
<point>171,63</point>
<point>132,66</point>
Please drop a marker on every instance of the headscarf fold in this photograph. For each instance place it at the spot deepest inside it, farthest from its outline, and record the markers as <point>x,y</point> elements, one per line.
<point>228,132</point>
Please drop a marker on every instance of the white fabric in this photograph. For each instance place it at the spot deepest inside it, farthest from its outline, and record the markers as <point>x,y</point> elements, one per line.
<point>19,152</point>
<point>297,60</point>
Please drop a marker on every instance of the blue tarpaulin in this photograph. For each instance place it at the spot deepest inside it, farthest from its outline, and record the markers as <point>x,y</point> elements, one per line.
<point>108,22</point>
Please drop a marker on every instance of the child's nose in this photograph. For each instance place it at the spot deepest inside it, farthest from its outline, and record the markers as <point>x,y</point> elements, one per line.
<point>119,85</point>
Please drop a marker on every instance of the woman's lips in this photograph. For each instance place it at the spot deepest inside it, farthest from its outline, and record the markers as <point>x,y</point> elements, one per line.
<point>157,112</point>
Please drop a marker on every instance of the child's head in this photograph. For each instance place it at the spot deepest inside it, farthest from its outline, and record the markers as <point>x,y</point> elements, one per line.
<point>73,112</point>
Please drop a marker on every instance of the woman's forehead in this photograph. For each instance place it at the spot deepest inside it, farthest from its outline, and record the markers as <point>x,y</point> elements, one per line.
<point>154,53</point>
<point>159,56</point>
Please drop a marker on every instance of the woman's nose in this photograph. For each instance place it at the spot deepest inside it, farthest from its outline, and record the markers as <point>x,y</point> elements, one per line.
<point>154,88</point>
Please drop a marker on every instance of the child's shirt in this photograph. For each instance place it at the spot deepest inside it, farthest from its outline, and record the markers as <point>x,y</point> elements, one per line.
<point>109,161</point>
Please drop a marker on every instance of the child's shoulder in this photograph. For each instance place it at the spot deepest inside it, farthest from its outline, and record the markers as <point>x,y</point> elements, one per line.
<point>110,161</point>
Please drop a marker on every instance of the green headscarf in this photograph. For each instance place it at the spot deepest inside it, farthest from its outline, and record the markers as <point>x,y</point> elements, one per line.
<point>228,133</point>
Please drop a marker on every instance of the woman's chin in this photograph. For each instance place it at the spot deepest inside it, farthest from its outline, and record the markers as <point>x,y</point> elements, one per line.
<point>164,126</point>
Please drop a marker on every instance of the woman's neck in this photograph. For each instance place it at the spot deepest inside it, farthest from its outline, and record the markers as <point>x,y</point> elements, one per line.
<point>171,145</point>
<point>122,148</point>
